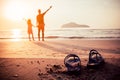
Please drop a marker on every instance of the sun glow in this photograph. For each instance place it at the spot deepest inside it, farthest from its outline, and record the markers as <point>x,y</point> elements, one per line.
<point>15,10</point>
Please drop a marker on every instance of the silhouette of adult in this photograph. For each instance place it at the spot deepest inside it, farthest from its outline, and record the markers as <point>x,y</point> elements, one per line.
<point>40,22</point>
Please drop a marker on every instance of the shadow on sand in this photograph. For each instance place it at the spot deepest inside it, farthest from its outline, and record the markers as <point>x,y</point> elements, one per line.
<point>65,46</point>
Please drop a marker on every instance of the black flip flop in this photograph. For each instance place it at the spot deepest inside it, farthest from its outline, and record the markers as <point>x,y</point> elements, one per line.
<point>73,63</point>
<point>95,59</point>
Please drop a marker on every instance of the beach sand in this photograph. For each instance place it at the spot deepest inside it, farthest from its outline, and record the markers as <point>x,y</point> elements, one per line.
<point>37,60</point>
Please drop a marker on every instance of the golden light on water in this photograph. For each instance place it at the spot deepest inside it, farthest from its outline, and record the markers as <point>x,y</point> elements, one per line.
<point>16,34</point>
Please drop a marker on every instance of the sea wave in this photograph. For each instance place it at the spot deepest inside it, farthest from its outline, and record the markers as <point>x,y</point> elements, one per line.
<point>67,34</point>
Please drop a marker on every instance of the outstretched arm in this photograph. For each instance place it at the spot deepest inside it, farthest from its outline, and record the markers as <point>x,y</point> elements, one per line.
<point>47,10</point>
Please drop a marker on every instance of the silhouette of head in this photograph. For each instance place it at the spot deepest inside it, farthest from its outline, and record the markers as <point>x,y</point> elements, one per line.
<point>29,21</point>
<point>39,11</point>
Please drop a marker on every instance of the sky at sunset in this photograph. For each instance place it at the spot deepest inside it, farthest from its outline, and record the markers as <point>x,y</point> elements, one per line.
<point>95,13</point>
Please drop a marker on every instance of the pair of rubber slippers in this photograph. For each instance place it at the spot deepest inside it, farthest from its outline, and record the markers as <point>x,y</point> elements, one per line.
<point>73,62</point>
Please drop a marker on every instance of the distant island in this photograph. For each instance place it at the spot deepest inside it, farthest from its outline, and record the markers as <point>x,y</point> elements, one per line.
<point>74,25</point>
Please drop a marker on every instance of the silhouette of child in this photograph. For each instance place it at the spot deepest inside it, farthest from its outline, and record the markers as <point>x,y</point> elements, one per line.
<point>30,32</point>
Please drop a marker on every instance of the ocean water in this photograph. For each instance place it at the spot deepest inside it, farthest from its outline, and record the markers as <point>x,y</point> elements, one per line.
<point>65,33</point>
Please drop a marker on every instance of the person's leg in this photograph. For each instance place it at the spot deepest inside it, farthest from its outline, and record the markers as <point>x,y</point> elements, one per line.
<point>32,36</point>
<point>42,35</point>
<point>42,32</point>
<point>29,37</point>
<point>38,34</point>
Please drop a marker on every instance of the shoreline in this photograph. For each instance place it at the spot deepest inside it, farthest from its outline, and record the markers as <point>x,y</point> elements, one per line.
<point>66,38</point>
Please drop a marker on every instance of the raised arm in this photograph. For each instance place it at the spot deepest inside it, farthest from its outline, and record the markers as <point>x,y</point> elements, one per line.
<point>47,9</point>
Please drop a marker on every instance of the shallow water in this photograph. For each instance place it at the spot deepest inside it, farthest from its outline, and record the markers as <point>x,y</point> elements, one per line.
<point>76,33</point>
